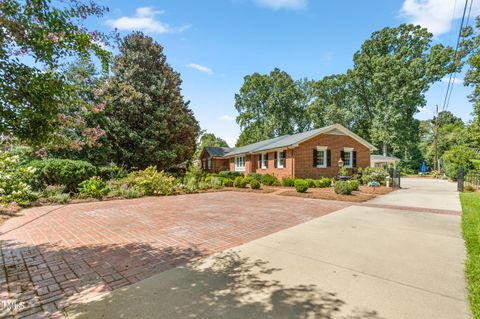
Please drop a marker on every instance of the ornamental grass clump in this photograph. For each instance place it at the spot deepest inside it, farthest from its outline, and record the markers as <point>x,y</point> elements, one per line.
<point>342,187</point>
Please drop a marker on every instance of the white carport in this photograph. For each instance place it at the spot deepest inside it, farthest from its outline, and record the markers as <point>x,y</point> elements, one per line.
<point>383,161</point>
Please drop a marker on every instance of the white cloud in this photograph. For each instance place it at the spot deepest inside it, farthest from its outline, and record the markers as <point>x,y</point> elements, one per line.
<point>454,80</point>
<point>200,68</point>
<point>436,15</point>
<point>144,19</point>
<point>227,118</point>
<point>282,4</point>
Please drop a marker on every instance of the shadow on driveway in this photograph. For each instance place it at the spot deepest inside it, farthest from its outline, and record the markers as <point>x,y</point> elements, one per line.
<point>225,286</point>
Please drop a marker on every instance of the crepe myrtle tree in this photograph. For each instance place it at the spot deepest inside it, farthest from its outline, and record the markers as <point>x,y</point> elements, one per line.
<point>33,95</point>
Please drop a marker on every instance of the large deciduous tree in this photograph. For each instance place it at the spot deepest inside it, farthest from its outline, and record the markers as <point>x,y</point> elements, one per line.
<point>32,95</point>
<point>331,102</point>
<point>269,105</point>
<point>147,120</point>
<point>391,73</point>
<point>209,139</point>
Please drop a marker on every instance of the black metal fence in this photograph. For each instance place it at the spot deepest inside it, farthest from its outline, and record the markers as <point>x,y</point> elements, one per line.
<point>472,179</point>
<point>395,174</point>
<point>460,179</point>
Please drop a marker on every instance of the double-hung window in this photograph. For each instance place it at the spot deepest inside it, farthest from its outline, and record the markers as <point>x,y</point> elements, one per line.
<point>264,160</point>
<point>209,163</point>
<point>348,157</point>
<point>321,156</point>
<point>281,159</point>
<point>240,163</point>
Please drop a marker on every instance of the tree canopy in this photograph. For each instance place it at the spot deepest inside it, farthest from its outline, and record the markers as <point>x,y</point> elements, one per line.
<point>392,71</point>
<point>32,95</point>
<point>377,98</point>
<point>209,139</point>
<point>269,105</point>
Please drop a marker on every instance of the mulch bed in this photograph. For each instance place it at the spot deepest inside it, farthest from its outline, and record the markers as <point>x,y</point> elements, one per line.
<point>363,194</point>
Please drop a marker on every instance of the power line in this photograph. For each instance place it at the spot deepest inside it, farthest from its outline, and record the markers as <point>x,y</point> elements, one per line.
<point>446,100</point>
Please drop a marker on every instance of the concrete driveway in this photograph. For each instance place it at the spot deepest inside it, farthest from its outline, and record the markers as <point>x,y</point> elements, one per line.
<point>400,256</point>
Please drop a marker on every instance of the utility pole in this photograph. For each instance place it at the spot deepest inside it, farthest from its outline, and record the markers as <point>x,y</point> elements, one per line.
<point>435,160</point>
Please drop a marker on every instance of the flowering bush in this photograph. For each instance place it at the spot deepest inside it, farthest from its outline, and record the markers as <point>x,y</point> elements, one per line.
<point>152,182</point>
<point>378,175</point>
<point>94,187</point>
<point>15,181</point>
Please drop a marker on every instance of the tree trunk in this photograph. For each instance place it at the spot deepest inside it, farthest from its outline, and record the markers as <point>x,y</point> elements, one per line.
<point>385,148</point>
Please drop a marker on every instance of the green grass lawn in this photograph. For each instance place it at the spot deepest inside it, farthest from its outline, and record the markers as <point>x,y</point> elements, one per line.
<point>471,234</point>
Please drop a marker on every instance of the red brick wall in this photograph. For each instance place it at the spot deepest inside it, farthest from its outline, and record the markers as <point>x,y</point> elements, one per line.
<point>299,161</point>
<point>218,164</point>
<point>335,143</point>
<point>277,172</point>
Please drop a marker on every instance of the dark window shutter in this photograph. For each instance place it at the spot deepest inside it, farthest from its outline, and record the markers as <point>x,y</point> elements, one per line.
<point>267,159</point>
<point>342,155</point>
<point>354,155</point>
<point>285,156</point>
<point>315,158</point>
<point>275,159</point>
<point>329,158</point>
<point>259,161</point>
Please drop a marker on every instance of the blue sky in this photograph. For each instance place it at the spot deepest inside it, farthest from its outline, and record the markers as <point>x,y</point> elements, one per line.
<point>215,43</point>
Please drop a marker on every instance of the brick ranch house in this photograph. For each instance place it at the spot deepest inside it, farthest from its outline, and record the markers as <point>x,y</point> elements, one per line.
<point>311,154</point>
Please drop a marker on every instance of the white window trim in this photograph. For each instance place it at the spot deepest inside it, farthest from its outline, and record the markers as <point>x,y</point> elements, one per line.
<point>350,151</point>
<point>262,160</point>
<point>324,150</point>
<point>278,160</point>
<point>240,168</point>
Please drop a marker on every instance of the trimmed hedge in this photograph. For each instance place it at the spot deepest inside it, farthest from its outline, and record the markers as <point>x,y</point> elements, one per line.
<point>301,185</point>
<point>62,172</point>
<point>288,182</point>
<point>270,180</point>
<point>254,184</point>
<point>240,182</point>
<point>324,182</point>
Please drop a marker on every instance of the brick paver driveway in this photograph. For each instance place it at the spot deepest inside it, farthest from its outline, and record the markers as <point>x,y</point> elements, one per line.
<point>53,254</point>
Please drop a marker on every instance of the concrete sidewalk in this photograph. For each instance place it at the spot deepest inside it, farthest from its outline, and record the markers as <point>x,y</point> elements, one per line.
<point>359,262</point>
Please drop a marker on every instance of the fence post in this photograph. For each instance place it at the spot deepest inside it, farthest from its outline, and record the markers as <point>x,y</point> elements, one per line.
<point>460,179</point>
<point>399,172</point>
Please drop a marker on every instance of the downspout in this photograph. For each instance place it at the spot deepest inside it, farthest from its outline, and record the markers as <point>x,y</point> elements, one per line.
<point>293,163</point>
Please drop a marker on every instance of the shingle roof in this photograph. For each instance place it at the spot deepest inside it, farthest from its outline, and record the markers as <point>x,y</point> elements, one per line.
<point>290,140</point>
<point>384,158</point>
<point>216,151</point>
